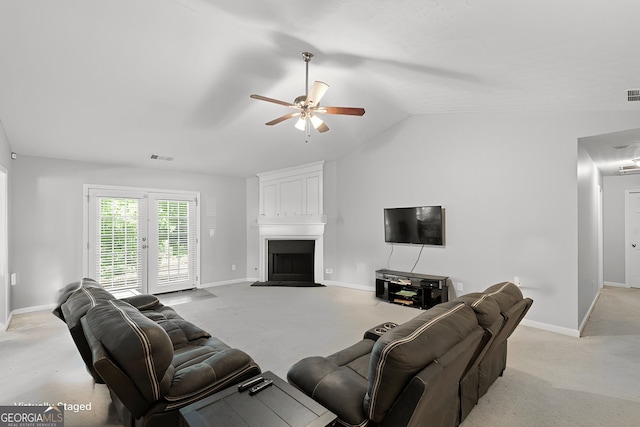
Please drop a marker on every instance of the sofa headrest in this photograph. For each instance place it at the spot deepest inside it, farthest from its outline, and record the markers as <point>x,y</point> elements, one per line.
<point>406,349</point>
<point>484,305</point>
<point>63,294</point>
<point>506,294</point>
<point>135,343</point>
<point>81,301</point>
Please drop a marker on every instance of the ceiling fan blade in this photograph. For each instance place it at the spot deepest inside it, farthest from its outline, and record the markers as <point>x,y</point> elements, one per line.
<point>350,111</point>
<point>282,118</point>
<point>316,93</point>
<point>322,128</point>
<point>275,101</point>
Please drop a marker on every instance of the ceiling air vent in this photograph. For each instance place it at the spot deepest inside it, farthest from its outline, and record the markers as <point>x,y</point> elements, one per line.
<point>156,157</point>
<point>629,169</point>
<point>633,95</point>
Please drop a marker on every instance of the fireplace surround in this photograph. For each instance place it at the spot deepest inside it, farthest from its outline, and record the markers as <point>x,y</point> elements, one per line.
<point>293,229</point>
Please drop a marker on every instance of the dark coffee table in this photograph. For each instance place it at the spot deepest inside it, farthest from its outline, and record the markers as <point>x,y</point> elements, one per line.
<point>280,405</point>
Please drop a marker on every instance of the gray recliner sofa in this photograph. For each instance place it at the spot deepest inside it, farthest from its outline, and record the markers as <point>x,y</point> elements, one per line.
<point>430,370</point>
<point>152,360</point>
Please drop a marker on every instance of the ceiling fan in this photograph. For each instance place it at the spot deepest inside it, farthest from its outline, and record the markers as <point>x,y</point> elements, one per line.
<point>307,106</point>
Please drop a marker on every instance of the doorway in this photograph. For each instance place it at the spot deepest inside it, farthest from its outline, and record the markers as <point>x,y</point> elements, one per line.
<point>632,238</point>
<point>142,241</point>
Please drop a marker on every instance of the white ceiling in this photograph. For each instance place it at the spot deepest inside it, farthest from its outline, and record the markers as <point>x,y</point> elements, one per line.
<point>115,81</point>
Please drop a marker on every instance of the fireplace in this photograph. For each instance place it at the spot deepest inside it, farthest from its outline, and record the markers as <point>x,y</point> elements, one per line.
<point>291,260</point>
<point>309,230</point>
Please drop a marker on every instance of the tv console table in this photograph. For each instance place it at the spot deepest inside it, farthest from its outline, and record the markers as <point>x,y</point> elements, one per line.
<point>411,289</point>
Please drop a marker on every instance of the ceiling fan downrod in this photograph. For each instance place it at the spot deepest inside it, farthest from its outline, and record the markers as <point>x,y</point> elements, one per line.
<point>307,130</point>
<point>307,57</point>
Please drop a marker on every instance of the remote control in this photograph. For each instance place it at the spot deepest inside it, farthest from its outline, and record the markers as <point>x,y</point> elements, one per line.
<point>260,387</point>
<point>250,383</point>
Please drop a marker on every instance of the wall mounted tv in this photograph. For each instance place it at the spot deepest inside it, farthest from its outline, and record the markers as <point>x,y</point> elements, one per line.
<point>420,225</point>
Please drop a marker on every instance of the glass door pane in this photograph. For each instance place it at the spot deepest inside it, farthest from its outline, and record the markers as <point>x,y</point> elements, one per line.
<point>173,233</point>
<point>117,256</point>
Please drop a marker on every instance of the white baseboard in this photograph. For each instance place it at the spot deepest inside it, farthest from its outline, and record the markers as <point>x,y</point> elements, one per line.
<point>551,328</point>
<point>586,317</point>
<point>226,282</point>
<point>46,307</point>
<point>618,285</point>
<point>5,326</point>
<point>34,308</point>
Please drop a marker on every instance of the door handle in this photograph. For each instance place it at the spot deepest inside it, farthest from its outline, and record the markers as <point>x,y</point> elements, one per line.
<point>633,245</point>
<point>144,246</point>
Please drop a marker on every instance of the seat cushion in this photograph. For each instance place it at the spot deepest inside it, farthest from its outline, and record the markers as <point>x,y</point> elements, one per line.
<point>209,371</point>
<point>338,382</point>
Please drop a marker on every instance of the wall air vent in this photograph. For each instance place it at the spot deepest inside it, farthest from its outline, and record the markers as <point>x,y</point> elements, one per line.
<point>157,157</point>
<point>633,95</point>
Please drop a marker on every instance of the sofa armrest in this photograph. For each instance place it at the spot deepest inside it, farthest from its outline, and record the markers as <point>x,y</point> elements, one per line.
<point>142,302</point>
<point>377,331</point>
<point>119,383</point>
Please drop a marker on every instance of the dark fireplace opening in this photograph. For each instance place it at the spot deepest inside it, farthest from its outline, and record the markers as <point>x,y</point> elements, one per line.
<point>291,260</point>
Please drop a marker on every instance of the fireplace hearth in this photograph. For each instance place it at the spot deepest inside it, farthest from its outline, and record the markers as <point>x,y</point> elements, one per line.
<point>291,260</point>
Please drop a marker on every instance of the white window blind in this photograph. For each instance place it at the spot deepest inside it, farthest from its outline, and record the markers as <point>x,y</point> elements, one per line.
<point>118,260</point>
<point>176,241</point>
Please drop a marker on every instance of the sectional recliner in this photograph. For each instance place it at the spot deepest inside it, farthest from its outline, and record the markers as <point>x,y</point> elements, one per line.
<point>430,370</point>
<point>152,360</point>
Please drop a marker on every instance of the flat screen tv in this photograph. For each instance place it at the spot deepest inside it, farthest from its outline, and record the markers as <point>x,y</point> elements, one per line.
<point>420,225</point>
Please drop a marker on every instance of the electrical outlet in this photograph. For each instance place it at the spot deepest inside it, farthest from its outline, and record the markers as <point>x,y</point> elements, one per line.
<point>233,267</point>
<point>516,281</point>
<point>329,271</point>
<point>14,279</point>
<point>458,286</point>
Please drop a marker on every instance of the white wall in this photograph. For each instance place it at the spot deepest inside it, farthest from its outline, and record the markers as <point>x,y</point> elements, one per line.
<point>47,221</point>
<point>509,186</point>
<point>614,188</point>
<point>253,234</point>
<point>589,185</point>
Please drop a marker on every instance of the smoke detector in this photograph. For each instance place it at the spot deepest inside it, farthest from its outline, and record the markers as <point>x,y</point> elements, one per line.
<point>633,95</point>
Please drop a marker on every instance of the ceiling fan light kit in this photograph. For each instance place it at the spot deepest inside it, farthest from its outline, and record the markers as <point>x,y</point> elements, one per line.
<point>308,107</point>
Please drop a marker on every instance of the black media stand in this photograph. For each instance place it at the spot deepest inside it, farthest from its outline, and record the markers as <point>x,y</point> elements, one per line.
<point>411,289</point>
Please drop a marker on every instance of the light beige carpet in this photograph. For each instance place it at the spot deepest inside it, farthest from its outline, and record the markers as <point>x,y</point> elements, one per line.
<point>551,379</point>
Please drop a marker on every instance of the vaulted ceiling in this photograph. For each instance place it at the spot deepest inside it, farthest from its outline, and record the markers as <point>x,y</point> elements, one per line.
<point>116,81</point>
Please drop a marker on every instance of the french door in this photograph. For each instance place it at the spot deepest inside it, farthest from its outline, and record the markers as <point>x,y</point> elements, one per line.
<point>142,241</point>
